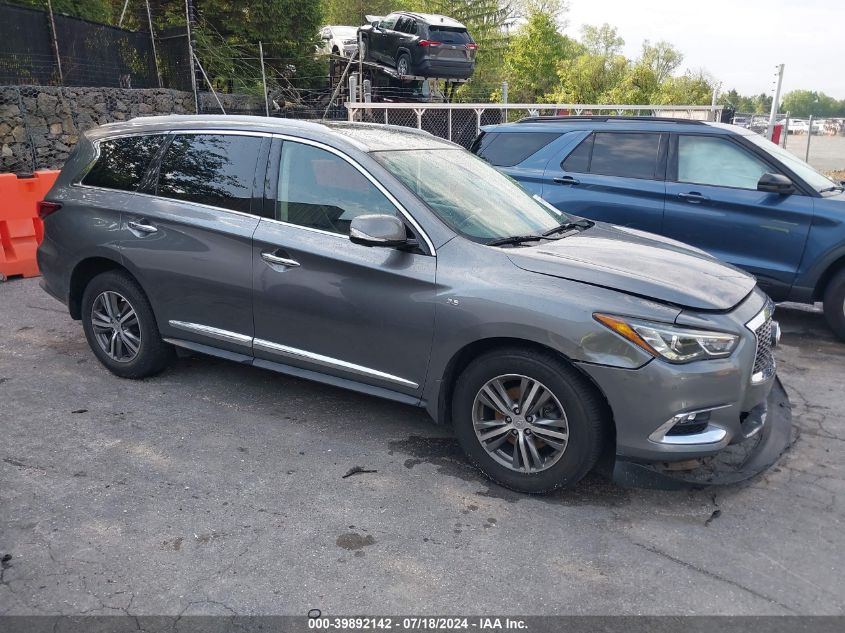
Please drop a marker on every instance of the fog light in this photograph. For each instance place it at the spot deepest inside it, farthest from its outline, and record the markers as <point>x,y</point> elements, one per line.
<point>687,423</point>
<point>692,427</point>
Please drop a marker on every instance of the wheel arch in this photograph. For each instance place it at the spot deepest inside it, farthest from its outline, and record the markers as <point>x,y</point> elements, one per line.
<point>82,274</point>
<point>829,273</point>
<point>442,411</point>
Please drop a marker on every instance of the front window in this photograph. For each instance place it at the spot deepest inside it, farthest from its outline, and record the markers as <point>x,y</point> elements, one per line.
<point>469,195</point>
<point>708,160</point>
<point>801,169</point>
<point>320,190</point>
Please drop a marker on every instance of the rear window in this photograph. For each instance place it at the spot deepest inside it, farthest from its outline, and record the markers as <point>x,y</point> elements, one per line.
<point>509,149</point>
<point>212,169</point>
<point>449,35</point>
<point>122,162</point>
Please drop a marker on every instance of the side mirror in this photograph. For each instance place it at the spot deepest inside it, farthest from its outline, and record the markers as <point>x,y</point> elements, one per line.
<point>375,24</point>
<point>775,183</point>
<point>378,230</point>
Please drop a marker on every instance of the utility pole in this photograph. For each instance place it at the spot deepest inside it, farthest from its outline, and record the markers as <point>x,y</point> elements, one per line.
<point>189,16</point>
<point>775,102</point>
<point>56,43</point>
<point>264,79</point>
<point>152,39</point>
<point>360,68</point>
<point>715,99</point>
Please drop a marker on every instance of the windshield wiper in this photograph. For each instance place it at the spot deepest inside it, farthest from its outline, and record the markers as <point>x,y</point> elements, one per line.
<point>832,188</point>
<point>570,226</point>
<point>519,239</point>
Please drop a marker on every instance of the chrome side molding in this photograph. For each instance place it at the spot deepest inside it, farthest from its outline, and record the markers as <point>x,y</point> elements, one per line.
<point>327,361</point>
<point>213,332</point>
<point>290,352</point>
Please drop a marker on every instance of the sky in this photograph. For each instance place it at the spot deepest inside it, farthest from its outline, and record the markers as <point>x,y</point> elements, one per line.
<point>739,42</point>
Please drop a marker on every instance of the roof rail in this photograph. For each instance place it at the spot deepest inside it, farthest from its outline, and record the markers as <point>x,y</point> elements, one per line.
<point>609,118</point>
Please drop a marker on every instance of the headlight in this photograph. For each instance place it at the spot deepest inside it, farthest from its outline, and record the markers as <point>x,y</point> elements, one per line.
<point>671,342</point>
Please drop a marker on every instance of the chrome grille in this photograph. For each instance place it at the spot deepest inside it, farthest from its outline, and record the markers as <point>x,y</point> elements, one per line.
<point>764,360</point>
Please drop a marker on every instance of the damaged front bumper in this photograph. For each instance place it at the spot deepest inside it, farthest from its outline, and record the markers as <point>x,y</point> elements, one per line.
<point>767,431</point>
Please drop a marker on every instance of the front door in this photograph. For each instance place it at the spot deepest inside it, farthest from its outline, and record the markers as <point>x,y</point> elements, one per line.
<point>712,202</point>
<point>322,303</point>
<point>614,177</point>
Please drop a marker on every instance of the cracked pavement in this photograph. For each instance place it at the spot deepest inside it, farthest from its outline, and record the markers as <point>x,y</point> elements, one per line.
<point>218,489</point>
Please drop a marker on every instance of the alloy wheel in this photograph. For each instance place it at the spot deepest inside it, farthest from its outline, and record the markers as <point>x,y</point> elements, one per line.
<point>116,326</point>
<point>520,423</point>
<point>402,67</point>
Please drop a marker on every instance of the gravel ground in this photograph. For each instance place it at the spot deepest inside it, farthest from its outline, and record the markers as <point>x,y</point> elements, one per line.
<point>827,153</point>
<point>217,489</point>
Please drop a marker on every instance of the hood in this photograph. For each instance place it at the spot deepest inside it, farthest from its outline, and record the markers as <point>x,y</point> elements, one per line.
<point>639,263</point>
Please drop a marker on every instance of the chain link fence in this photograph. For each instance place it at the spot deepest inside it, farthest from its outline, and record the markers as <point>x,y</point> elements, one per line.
<point>460,122</point>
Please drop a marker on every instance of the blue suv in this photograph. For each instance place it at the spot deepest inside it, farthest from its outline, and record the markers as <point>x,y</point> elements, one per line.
<point>721,188</point>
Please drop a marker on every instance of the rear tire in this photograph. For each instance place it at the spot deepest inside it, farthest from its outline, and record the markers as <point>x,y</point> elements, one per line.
<point>834,304</point>
<point>573,418</point>
<point>121,328</point>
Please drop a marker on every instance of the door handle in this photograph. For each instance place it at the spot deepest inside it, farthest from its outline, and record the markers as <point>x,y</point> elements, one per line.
<point>693,197</point>
<point>141,227</point>
<point>276,260</point>
<point>566,180</point>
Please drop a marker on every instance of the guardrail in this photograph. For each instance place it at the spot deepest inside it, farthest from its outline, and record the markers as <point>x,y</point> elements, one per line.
<point>460,122</point>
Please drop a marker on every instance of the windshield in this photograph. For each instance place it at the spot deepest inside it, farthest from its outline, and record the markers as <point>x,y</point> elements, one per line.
<point>802,169</point>
<point>469,195</point>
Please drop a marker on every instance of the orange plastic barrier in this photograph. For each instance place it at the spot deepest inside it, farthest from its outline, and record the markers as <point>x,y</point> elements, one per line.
<point>20,227</point>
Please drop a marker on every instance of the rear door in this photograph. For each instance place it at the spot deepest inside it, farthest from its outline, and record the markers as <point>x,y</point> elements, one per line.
<point>615,177</point>
<point>712,202</point>
<point>188,238</point>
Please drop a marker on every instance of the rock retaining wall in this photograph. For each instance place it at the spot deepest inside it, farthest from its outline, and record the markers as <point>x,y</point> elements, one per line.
<point>39,125</point>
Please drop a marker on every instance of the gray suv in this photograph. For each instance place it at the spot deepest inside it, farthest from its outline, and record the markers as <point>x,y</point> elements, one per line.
<point>386,261</point>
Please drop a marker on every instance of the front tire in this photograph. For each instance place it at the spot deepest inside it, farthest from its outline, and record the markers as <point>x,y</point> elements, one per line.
<point>120,327</point>
<point>528,420</point>
<point>834,304</point>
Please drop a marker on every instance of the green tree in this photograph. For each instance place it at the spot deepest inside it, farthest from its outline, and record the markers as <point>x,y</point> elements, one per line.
<point>661,58</point>
<point>532,57</point>
<point>352,12</point>
<point>803,103</point>
<point>94,10</point>
<point>588,78</point>
<point>228,33</point>
<point>688,89</point>
<point>637,86</point>
<point>602,41</point>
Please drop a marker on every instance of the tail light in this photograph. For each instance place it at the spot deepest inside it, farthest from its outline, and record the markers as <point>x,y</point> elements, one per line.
<point>429,43</point>
<point>472,47</point>
<point>46,208</point>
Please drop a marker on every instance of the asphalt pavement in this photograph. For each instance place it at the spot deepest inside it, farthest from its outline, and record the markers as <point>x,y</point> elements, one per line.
<point>217,488</point>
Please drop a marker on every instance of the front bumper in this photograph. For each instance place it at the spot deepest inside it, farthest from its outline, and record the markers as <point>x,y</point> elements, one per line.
<point>738,462</point>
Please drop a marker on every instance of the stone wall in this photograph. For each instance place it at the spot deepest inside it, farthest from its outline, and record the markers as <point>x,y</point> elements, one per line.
<point>39,125</point>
